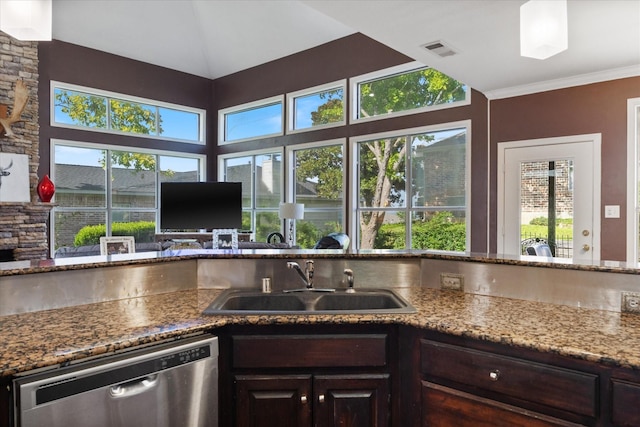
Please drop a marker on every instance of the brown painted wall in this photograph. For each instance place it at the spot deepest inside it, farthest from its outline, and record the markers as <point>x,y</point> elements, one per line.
<point>68,63</point>
<point>594,108</point>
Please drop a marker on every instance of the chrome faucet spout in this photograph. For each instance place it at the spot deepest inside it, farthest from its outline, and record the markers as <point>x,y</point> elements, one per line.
<point>306,276</point>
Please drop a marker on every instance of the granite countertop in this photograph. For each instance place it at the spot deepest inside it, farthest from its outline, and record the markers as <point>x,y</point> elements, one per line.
<point>91,262</point>
<point>48,338</point>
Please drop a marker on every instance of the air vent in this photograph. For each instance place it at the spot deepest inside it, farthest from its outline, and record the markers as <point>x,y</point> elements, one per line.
<point>439,48</point>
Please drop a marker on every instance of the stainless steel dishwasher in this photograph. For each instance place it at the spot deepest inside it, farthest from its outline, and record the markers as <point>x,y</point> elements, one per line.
<point>166,385</point>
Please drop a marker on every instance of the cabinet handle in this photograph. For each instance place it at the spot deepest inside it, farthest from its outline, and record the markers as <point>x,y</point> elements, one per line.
<point>321,398</point>
<point>303,399</point>
<point>494,375</point>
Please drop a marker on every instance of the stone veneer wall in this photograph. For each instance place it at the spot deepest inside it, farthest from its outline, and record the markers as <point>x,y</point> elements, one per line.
<point>23,226</point>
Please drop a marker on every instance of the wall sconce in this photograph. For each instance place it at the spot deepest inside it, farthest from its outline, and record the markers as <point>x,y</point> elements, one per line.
<point>26,19</point>
<point>291,212</point>
<point>543,28</point>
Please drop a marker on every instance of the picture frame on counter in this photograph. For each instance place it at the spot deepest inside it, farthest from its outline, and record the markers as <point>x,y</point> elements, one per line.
<point>117,245</point>
<point>224,238</point>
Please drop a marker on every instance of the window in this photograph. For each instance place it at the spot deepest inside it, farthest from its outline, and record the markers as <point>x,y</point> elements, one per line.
<point>260,174</point>
<point>633,184</point>
<point>111,190</point>
<point>319,182</point>
<point>250,121</point>
<point>407,89</point>
<point>322,106</point>
<point>80,107</point>
<point>420,201</point>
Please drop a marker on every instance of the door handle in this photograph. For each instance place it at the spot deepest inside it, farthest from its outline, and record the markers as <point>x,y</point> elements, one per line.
<point>132,388</point>
<point>586,247</point>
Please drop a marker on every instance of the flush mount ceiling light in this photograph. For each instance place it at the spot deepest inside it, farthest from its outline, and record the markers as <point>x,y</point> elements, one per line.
<point>543,28</point>
<point>26,19</point>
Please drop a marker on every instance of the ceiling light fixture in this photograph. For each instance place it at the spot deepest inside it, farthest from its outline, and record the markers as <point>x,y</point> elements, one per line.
<point>543,28</point>
<point>26,19</point>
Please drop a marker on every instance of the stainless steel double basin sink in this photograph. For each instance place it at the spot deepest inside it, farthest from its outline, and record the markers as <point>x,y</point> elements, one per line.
<point>314,301</point>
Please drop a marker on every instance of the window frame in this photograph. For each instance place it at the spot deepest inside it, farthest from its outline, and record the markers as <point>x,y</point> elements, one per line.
<point>633,185</point>
<point>223,113</point>
<point>354,93</point>
<point>291,181</point>
<point>354,179</point>
<point>291,111</point>
<point>108,209</point>
<point>202,114</point>
<point>254,153</point>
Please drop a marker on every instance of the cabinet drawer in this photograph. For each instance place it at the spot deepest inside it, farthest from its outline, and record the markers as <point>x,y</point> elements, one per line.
<point>547,385</point>
<point>625,411</point>
<point>307,351</point>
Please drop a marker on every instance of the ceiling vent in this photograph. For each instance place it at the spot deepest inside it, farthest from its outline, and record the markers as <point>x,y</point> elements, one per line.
<point>439,48</point>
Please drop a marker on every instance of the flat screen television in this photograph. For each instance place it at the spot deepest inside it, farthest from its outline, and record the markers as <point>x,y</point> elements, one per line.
<point>200,205</point>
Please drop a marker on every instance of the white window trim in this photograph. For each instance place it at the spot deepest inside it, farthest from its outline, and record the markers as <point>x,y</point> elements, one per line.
<point>290,182</point>
<point>354,183</point>
<point>354,97</point>
<point>248,106</point>
<point>633,208</point>
<point>115,95</point>
<point>292,96</point>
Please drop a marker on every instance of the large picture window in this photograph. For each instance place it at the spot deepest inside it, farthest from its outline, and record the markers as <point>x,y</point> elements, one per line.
<point>633,181</point>
<point>406,89</point>
<point>261,176</point>
<point>105,191</point>
<point>92,109</point>
<point>319,181</point>
<point>411,189</point>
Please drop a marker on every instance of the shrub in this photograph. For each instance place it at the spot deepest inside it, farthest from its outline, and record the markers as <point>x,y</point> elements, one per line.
<point>443,231</point>
<point>142,231</point>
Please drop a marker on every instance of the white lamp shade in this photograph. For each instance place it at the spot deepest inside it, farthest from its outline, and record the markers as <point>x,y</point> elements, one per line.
<point>291,210</point>
<point>26,19</point>
<point>543,28</point>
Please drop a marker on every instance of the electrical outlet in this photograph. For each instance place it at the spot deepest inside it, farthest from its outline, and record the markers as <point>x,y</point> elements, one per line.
<point>452,281</point>
<point>631,302</point>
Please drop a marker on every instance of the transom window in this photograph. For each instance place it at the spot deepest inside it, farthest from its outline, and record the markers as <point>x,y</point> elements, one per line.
<point>322,106</point>
<point>76,106</point>
<point>411,189</point>
<point>406,89</point>
<point>253,120</point>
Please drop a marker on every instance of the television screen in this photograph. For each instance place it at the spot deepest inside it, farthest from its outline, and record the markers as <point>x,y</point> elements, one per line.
<point>200,205</point>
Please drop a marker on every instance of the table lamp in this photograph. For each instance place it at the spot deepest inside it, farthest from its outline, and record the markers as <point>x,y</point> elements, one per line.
<point>291,212</point>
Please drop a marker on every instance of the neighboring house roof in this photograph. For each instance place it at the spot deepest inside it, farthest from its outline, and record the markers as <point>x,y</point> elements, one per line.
<point>91,179</point>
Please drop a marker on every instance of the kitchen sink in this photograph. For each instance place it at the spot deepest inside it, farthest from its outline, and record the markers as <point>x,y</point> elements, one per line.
<point>362,301</point>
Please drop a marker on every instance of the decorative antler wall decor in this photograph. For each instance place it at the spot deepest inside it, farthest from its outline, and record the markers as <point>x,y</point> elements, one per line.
<point>19,104</point>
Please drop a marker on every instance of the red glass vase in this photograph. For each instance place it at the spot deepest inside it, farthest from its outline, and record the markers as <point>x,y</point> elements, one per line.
<point>46,189</point>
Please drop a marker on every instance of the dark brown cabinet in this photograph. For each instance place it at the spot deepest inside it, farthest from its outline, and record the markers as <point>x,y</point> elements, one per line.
<point>625,403</point>
<point>305,400</point>
<point>315,380</point>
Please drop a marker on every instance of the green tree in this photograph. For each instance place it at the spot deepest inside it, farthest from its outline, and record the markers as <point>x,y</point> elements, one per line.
<point>382,162</point>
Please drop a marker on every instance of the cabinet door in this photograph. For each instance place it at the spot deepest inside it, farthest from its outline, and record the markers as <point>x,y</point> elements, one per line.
<point>446,407</point>
<point>351,400</point>
<point>273,400</point>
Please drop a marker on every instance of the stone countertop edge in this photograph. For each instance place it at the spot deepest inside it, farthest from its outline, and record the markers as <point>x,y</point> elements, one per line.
<point>14,268</point>
<point>51,338</point>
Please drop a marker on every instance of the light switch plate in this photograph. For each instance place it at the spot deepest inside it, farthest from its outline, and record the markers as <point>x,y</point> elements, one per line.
<point>612,211</point>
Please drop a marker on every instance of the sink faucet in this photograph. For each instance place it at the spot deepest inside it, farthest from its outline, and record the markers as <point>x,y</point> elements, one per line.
<point>307,275</point>
<point>349,275</point>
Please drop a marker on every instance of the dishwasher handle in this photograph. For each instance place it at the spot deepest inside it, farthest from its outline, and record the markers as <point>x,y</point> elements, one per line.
<point>131,388</point>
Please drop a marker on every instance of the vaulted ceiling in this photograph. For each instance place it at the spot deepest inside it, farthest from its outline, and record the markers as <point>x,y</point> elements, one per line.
<point>215,38</point>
